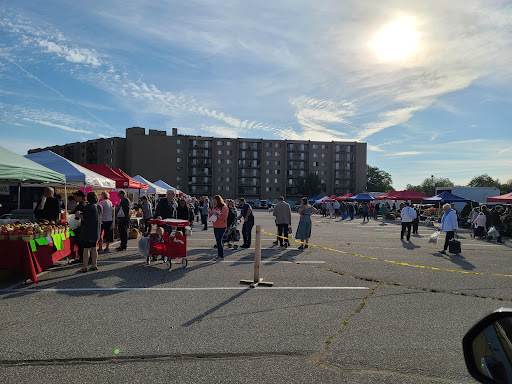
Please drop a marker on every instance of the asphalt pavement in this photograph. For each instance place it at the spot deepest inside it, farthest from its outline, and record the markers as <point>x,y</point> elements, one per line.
<point>368,309</point>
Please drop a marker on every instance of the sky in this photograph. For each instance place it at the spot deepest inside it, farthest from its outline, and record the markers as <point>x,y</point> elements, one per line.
<point>426,84</point>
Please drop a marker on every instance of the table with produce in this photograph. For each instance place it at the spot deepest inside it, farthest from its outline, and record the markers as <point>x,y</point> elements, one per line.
<point>35,247</point>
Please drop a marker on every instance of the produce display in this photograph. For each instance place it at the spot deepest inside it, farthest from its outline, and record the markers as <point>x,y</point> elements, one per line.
<point>136,212</point>
<point>30,231</point>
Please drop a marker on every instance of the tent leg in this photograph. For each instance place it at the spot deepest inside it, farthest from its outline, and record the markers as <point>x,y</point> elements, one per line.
<point>19,196</point>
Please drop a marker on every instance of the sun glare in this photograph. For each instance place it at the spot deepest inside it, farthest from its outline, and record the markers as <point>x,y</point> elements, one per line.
<point>396,41</point>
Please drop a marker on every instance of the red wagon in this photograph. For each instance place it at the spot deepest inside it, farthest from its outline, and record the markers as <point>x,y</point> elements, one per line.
<point>173,247</point>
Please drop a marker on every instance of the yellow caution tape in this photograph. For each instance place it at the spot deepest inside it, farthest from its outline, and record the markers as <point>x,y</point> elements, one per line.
<point>391,261</point>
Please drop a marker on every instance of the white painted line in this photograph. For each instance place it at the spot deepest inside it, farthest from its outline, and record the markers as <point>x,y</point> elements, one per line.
<point>224,261</point>
<point>31,290</point>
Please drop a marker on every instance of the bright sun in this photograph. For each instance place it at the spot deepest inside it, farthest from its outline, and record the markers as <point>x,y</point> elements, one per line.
<point>397,41</point>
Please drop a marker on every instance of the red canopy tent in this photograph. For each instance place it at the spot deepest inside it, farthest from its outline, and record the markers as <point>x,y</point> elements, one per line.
<point>344,197</point>
<point>121,180</point>
<point>402,195</point>
<point>333,197</point>
<point>506,198</point>
<point>131,180</point>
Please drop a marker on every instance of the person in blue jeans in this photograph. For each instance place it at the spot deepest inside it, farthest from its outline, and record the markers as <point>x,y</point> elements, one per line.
<point>246,213</point>
<point>218,215</point>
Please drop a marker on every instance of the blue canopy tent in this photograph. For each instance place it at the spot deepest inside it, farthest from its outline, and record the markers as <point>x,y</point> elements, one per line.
<point>445,197</point>
<point>360,197</point>
<point>314,199</point>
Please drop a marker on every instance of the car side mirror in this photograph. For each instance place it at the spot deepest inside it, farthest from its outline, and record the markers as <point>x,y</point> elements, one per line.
<point>488,348</point>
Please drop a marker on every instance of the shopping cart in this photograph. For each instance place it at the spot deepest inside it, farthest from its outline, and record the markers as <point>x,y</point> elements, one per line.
<point>173,247</point>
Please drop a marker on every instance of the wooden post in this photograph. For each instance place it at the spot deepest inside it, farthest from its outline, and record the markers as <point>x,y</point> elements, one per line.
<point>257,254</point>
<point>257,263</point>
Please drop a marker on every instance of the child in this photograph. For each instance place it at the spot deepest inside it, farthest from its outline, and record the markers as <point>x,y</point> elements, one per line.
<point>158,237</point>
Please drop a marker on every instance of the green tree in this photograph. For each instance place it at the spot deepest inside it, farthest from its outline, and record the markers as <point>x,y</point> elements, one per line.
<point>310,186</point>
<point>378,180</point>
<point>484,181</point>
<point>428,186</point>
<point>506,187</point>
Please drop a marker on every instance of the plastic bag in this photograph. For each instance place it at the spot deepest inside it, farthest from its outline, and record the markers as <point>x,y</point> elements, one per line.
<point>433,237</point>
<point>493,232</point>
<point>428,222</point>
<point>74,223</point>
<point>144,246</point>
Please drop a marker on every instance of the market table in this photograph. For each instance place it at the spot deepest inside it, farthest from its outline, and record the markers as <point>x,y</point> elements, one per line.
<point>19,255</point>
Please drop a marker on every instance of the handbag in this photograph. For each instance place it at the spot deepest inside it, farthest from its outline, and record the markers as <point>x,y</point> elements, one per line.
<point>454,246</point>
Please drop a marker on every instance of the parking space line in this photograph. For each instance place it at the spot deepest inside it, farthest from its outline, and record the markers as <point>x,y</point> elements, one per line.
<point>106,289</point>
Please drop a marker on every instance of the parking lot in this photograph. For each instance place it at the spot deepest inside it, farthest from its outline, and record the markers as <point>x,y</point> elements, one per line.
<point>333,315</point>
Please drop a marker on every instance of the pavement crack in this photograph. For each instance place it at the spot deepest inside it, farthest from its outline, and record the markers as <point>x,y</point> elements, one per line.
<point>139,358</point>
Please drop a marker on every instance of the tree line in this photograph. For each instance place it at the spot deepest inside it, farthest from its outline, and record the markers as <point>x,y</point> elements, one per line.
<point>378,180</point>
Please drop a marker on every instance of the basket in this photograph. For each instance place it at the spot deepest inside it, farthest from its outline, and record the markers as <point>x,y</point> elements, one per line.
<point>4,237</point>
<point>27,237</point>
<point>14,237</point>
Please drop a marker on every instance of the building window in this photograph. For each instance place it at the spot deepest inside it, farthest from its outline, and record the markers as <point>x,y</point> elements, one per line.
<point>178,159</point>
<point>268,153</point>
<point>277,189</point>
<point>324,155</point>
<point>268,189</point>
<point>220,143</point>
<point>315,146</point>
<point>315,154</point>
<point>267,171</point>
<point>229,152</point>
<point>179,150</point>
<point>228,179</point>
<point>276,154</point>
<point>268,162</point>
<point>220,161</point>
<point>268,145</point>
<point>179,141</point>
<point>323,163</point>
<point>277,162</point>
<point>229,143</point>
<point>178,178</point>
<point>315,164</point>
<point>220,152</point>
<point>325,146</point>
<point>220,170</point>
<point>221,179</point>
<point>267,180</point>
<point>277,145</point>
<point>276,181</point>
<point>227,188</point>
<point>228,170</point>
<point>220,188</point>
<point>111,142</point>
<point>228,161</point>
<point>277,171</point>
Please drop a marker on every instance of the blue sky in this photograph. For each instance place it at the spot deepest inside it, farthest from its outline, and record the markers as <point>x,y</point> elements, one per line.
<point>426,84</point>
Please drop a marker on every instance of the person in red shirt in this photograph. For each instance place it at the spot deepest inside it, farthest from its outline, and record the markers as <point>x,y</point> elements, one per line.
<point>218,215</point>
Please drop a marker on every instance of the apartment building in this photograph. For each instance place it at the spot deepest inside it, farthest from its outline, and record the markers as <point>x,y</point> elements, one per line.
<point>232,167</point>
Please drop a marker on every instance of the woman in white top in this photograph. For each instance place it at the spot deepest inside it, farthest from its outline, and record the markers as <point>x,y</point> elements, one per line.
<point>107,227</point>
<point>480,222</point>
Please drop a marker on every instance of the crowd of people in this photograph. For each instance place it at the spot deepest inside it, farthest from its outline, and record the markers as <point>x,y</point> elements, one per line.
<point>97,218</point>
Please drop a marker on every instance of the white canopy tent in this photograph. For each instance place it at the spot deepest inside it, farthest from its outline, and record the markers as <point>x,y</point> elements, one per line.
<point>152,188</point>
<point>164,185</point>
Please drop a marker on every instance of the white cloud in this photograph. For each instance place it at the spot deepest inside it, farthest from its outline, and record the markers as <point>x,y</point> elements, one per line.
<point>405,153</point>
<point>375,148</point>
<point>60,126</point>
<point>73,55</point>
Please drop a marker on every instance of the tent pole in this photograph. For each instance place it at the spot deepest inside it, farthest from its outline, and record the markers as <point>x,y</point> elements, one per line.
<point>19,195</point>
<point>65,201</point>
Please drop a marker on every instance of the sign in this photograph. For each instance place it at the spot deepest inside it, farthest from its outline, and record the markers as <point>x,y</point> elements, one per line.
<point>4,190</point>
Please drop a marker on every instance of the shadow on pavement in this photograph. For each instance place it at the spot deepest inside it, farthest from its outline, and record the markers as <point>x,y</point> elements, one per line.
<point>456,259</point>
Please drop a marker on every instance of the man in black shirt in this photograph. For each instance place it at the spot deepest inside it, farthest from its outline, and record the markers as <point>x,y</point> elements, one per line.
<point>48,207</point>
<point>123,219</point>
<point>246,213</point>
<point>79,197</point>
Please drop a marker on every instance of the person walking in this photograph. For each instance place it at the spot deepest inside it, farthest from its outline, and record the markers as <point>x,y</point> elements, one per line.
<point>218,215</point>
<point>365,209</point>
<point>351,211</point>
<point>336,209</point>
<point>496,222</point>
<point>107,218</point>
<point>449,225</point>
<point>78,197</point>
<point>408,215</point>
<point>204,213</point>
<point>91,231</point>
<point>123,219</point>
<point>304,228</point>
<point>283,215</point>
<point>481,224</point>
<point>416,221</point>
<point>246,213</point>
<point>147,213</point>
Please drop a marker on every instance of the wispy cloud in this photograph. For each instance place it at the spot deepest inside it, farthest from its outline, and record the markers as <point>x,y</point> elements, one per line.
<point>60,126</point>
<point>405,153</point>
<point>73,55</point>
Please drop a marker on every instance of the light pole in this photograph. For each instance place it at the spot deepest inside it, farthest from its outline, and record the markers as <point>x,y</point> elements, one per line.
<point>433,186</point>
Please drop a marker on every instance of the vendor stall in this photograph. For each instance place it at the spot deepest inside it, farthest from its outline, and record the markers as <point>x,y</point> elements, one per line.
<point>152,188</point>
<point>31,248</point>
<point>506,198</point>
